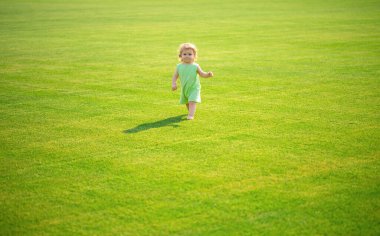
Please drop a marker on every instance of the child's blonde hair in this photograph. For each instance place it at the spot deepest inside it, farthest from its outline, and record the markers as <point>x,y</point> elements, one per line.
<point>185,46</point>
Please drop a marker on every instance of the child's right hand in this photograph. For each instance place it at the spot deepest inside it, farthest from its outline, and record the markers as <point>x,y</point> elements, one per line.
<point>174,87</point>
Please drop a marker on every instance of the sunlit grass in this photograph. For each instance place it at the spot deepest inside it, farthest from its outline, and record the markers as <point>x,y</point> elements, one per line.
<point>286,140</point>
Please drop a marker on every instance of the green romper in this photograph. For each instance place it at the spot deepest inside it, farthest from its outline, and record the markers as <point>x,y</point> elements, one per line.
<point>190,84</point>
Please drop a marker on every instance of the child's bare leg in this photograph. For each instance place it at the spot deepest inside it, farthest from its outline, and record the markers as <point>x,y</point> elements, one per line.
<point>187,105</point>
<point>192,108</point>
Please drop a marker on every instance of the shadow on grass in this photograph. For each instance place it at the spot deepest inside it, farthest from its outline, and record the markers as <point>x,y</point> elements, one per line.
<point>171,121</point>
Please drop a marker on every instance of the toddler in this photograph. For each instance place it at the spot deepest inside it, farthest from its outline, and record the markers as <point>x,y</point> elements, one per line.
<point>188,72</point>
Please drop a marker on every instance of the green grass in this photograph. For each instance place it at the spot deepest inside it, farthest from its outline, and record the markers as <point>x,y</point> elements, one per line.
<point>286,140</point>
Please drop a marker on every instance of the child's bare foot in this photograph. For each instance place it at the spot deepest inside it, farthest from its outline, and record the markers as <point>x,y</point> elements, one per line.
<point>190,117</point>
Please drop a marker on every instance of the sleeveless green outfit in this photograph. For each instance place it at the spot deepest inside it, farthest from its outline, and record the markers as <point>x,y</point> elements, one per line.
<point>190,83</point>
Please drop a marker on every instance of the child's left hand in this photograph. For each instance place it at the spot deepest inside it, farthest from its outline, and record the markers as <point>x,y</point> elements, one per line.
<point>210,74</point>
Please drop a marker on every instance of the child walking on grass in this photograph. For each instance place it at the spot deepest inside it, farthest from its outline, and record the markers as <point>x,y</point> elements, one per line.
<point>188,72</point>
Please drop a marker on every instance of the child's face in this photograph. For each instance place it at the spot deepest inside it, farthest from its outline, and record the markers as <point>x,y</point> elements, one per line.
<point>187,56</point>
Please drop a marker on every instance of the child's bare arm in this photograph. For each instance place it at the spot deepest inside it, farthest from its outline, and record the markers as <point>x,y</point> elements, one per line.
<point>174,80</point>
<point>204,74</point>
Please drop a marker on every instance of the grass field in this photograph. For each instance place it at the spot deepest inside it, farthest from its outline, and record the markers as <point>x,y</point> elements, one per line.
<point>286,140</point>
